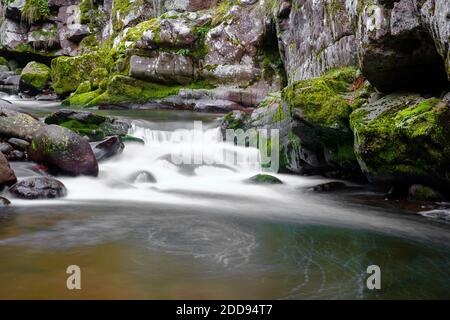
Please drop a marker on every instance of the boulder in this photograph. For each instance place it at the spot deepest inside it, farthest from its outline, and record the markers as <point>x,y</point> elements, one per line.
<point>19,144</point>
<point>108,148</point>
<point>35,77</point>
<point>264,179</point>
<point>64,115</point>
<point>4,202</point>
<point>165,67</point>
<point>13,34</point>
<point>5,148</point>
<point>404,138</point>
<point>17,124</point>
<point>63,150</point>
<point>68,72</point>
<point>418,192</point>
<point>7,175</point>
<point>38,188</point>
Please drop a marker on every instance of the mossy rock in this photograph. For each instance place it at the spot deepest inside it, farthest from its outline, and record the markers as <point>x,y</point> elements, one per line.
<point>97,76</point>
<point>3,61</point>
<point>405,138</point>
<point>35,75</point>
<point>124,90</point>
<point>264,179</point>
<point>81,99</point>
<point>68,72</point>
<point>321,109</point>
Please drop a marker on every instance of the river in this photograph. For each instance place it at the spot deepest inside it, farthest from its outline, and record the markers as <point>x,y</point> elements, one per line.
<point>202,232</point>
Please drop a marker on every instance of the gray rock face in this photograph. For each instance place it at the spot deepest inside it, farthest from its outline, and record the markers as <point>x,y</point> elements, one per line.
<point>396,51</point>
<point>63,150</point>
<point>12,34</point>
<point>165,67</point>
<point>172,33</point>
<point>315,36</point>
<point>39,188</point>
<point>189,5</point>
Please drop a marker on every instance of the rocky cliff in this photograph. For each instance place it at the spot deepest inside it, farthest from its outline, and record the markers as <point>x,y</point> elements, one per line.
<point>358,88</point>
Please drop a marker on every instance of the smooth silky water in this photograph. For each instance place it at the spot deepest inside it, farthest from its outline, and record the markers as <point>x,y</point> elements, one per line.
<point>201,232</point>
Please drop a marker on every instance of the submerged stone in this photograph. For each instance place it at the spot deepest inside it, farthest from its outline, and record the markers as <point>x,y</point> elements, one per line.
<point>264,179</point>
<point>39,188</point>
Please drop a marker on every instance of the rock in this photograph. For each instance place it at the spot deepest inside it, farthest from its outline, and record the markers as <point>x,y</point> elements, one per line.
<point>403,138</point>
<point>329,187</point>
<point>189,5</point>
<point>418,192</point>
<point>264,179</point>
<point>165,67</point>
<point>63,150</point>
<point>397,52</point>
<point>5,148</point>
<point>4,202</point>
<point>321,109</point>
<point>12,34</point>
<point>19,143</point>
<point>16,155</point>
<point>64,115</point>
<point>44,37</point>
<point>14,9</point>
<point>108,148</point>
<point>315,37</point>
<point>68,72</point>
<point>39,188</point>
<point>7,175</point>
<point>35,77</point>
<point>142,177</point>
<point>170,33</point>
<point>17,124</point>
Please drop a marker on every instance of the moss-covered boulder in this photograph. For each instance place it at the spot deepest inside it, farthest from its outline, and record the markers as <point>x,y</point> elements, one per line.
<point>35,77</point>
<point>88,124</point>
<point>15,124</point>
<point>124,90</point>
<point>404,138</point>
<point>68,72</point>
<point>63,151</point>
<point>320,108</point>
<point>264,179</point>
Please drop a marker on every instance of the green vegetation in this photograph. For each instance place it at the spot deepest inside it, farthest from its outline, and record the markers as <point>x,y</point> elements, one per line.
<point>35,10</point>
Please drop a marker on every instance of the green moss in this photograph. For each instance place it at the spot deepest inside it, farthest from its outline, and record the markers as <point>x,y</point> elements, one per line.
<point>84,87</point>
<point>68,72</point>
<point>97,76</point>
<point>81,99</point>
<point>402,135</point>
<point>3,61</point>
<point>264,179</point>
<point>36,75</point>
<point>122,90</point>
<point>322,100</point>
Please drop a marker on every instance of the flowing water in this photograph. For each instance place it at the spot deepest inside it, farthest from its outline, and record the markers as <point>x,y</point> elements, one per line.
<point>200,231</point>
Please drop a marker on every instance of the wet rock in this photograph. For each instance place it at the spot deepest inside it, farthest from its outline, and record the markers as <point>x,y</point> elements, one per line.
<point>19,143</point>
<point>38,188</point>
<point>17,124</point>
<point>4,202</point>
<point>142,177</point>
<point>329,187</point>
<point>5,148</point>
<point>108,148</point>
<point>16,155</point>
<point>418,192</point>
<point>172,33</point>
<point>264,179</point>
<point>63,150</point>
<point>12,34</point>
<point>7,175</point>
